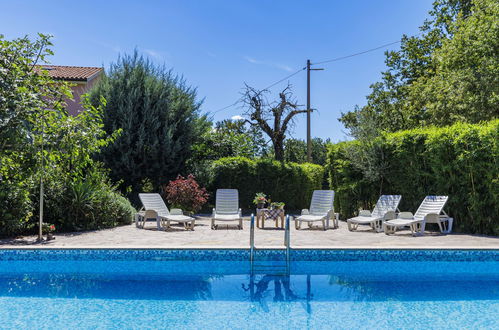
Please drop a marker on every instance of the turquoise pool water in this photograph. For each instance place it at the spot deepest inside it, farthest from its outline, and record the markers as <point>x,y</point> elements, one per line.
<point>214,290</point>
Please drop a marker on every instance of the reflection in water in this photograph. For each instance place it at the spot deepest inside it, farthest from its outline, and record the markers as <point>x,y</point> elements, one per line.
<point>282,292</point>
<point>91,286</point>
<point>266,289</point>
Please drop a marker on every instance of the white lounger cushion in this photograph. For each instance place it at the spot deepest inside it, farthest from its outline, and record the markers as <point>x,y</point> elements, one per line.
<point>364,220</point>
<point>226,217</point>
<point>309,217</point>
<point>178,218</point>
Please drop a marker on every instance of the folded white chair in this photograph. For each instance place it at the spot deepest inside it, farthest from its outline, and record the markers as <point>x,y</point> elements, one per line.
<point>154,208</point>
<point>430,211</point>
<point>321,209</point>
<point>226,207</point>
<point>384,210</point>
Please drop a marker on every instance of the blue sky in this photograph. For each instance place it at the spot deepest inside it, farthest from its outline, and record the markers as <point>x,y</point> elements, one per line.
<point>220,45</point>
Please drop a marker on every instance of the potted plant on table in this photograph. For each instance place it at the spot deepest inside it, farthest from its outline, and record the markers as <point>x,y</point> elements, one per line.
<point>259,200</point>
<point>278,205</point>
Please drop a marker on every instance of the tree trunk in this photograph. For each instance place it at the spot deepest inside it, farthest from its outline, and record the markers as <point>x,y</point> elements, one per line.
<point>278,149</point>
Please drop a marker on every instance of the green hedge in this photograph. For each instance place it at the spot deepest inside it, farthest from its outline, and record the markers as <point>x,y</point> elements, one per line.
<point>285,182</point>
<point>461,161</point>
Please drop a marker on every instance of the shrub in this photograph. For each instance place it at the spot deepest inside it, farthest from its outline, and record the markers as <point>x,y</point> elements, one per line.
<point>288,182</point>
<point>85,204</point>
<point>16,208</point>
<point>185,193</point>
<point>460,161</point>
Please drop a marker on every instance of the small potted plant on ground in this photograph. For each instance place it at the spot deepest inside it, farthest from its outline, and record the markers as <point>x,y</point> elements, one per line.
<point>48,229</point>
<point>260,199</point>
<point>278,205</point>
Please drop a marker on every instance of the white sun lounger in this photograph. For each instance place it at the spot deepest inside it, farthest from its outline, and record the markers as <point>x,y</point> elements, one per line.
<point>321,209</point>
<point>154,208</point>
<point>384,210</point>
<point>430,211</point>
<point>227,208</point>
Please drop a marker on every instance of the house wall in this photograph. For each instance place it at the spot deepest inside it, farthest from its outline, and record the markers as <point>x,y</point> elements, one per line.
<point>74,106</point>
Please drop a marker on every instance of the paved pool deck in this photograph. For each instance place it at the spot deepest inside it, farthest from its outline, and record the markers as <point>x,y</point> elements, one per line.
<point>228,236</point>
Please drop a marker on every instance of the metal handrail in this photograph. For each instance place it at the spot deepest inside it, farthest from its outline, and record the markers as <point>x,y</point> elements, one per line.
<point>287,241</point>
<point>252,239</point>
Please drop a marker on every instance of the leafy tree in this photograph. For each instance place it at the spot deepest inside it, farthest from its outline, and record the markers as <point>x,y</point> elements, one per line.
<point>39,139</point>
<point>465,86</point>
<point>226,138</point>
<point>446,74</point>
<point>157,113</point>
<point>295,150</point>
<point>239,126</point>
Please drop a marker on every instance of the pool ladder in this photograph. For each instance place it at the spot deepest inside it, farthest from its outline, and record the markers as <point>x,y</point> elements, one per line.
<point>269,267</point>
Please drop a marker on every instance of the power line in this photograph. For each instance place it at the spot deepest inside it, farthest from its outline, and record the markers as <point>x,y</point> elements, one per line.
<point>321,62</point>
<point>270,86</point>
<point>285,78</point>
<point>356,54</point>
<point>221,109</point>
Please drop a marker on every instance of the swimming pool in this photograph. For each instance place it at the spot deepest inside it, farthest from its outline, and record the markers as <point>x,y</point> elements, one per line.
<point>213,289</point>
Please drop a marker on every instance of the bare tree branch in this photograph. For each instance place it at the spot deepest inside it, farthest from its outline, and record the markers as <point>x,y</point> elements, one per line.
<point>269,116</point>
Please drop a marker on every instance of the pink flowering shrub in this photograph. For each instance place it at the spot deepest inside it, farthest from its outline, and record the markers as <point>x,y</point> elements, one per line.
<point>185,193</point>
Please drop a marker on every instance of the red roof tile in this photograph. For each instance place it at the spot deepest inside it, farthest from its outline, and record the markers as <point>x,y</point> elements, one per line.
<point>72,73</point>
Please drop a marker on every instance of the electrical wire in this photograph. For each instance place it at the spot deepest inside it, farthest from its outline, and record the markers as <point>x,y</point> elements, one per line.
<point>285,78</point>
<point>270,86</point>
<point>357,54</point>
<point>315,63</point>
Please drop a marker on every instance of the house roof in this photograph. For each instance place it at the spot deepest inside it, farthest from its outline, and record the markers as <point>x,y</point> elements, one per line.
<point>71,73</point>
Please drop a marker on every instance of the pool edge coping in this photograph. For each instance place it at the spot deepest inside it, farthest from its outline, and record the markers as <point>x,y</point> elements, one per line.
<point>430,248</point>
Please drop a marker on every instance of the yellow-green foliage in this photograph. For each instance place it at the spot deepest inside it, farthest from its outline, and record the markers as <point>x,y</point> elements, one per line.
<point>461,161</point>
<point>290,183</point>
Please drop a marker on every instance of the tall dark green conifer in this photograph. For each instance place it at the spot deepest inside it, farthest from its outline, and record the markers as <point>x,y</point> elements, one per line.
<point>156,112</point>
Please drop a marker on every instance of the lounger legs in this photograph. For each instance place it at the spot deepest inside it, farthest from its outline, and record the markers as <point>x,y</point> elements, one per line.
<point>189,225</point>
<point>352,226</point>
<point>214,226</point>
<point>297,224</point>
<point>375,225</point>
<point>310,224</point>
<point>417,228</point>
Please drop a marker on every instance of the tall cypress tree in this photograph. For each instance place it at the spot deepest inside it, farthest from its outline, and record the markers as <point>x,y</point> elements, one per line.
<point>156,113</point>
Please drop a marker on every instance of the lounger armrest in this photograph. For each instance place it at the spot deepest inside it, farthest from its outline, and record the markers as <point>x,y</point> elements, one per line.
<point>364,213</point>
<point>432,218</point>
<point>405,215</point>
<point>176,212</point>
<point>150,214</point>
<point>330,214</point>
<point>390,215</point>
<point>305,212</point>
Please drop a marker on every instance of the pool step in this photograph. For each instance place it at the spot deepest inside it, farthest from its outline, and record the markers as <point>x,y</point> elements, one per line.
<point>270,267</point>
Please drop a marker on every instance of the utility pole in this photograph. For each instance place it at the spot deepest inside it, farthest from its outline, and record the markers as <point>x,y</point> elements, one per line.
<point>309,110</point>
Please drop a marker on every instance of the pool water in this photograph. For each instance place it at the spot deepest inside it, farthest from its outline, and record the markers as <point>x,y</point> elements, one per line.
<point>217,294</point>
